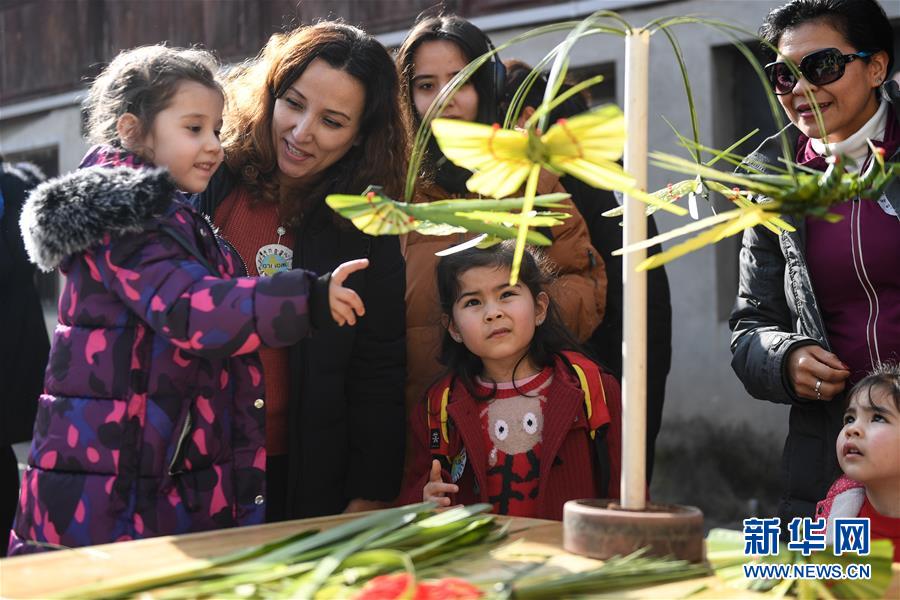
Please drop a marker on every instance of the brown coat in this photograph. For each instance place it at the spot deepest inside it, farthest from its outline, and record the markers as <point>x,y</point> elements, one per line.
<point>579,290</point>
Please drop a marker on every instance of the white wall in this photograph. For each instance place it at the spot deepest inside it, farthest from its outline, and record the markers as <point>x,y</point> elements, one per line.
<point>60,127</point>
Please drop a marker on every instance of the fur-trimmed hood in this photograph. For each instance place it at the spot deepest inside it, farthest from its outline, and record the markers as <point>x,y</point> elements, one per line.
<point>72,213</point>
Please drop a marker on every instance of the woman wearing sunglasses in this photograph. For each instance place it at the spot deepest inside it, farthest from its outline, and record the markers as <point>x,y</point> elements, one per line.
<point>819,307</point>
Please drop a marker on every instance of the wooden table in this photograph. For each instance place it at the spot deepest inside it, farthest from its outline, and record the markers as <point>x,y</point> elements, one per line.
<point>47,574</point>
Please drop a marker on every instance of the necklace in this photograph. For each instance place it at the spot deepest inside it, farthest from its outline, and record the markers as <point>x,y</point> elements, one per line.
<point>274,258</point>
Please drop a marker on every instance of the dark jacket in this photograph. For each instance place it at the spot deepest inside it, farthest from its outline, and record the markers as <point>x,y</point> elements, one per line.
<point>346,411</point>
<point>23,341</point>
<point>148,424</point>
<point>606,341</point>
<point>776,311</point>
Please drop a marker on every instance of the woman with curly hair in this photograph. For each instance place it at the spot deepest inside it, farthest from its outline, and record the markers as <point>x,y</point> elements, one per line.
<point>315,113</point>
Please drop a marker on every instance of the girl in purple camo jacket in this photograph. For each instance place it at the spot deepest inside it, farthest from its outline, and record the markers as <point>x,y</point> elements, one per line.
<point>151,421</point>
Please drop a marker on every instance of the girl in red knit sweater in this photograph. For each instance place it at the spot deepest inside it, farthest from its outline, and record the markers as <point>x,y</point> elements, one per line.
<point>521,419</point>
<point>868,450</point>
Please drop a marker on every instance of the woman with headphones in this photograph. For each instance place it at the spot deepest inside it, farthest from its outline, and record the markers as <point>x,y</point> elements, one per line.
<point>435,50</point>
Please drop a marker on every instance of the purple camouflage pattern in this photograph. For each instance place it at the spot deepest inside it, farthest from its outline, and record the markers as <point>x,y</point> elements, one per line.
<point>149,422</point>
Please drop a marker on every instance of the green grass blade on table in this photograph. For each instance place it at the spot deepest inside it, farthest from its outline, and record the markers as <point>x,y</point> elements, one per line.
<point>360,568</point>
<point>725,554</point>
<point>470,533</point>
<point>241,580</point>
<point>307,587</point>
<point>620,573</point>
<point>437,536</point>
<point>362,557</point>
<point>433,526</point>
<point>434,565</point>
<point>880,560</point>
<point>258,574</point>
<point>278,551</point>
<point>132,583</point>
<point>365,563</point>
<point>290,577</point>
<point>345,531</point>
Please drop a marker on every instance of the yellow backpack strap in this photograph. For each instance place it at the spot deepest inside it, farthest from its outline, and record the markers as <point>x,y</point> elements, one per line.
<point>588,373</point>
<point>439,438</point>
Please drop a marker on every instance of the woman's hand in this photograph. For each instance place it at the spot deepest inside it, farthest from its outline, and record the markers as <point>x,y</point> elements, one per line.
<point>345,304</point>
<point>436,490</point>
<point>816,373</point>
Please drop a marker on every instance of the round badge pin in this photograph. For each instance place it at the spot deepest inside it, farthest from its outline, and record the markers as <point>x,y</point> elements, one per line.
<point>273,258</point>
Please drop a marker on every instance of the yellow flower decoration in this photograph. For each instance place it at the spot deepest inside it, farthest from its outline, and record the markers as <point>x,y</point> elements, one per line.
<point>586,146</point>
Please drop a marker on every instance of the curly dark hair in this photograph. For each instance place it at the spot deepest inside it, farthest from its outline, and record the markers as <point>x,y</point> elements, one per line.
<point>254,86</point>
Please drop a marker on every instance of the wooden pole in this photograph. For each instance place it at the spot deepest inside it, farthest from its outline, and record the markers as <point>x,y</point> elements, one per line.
<point>634,341</point>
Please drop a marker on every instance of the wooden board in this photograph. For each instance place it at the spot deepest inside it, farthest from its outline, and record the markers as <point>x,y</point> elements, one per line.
<point>531,541</point>
<point>49,573</point>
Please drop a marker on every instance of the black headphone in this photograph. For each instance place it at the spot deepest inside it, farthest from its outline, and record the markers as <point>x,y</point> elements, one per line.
<point>498,72</point>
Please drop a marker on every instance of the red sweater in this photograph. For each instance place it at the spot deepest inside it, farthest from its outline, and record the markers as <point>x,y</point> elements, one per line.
<point>567,466</point>
<point>847,498</point>
<point>248,226</point>
<point>882,528</point>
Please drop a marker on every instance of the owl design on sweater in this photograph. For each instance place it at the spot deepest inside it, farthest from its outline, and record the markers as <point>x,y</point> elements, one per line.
<point>514,428</point>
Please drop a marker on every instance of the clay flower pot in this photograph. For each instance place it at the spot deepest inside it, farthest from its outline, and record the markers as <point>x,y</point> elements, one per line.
<point>602,529</point>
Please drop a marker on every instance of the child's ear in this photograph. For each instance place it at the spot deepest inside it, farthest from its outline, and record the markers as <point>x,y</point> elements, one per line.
<point>447,322</point>
<point>128,128</point>
<point>541,304</point>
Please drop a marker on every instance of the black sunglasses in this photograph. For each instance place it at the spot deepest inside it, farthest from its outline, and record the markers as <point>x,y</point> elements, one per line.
<point>819,68</point>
